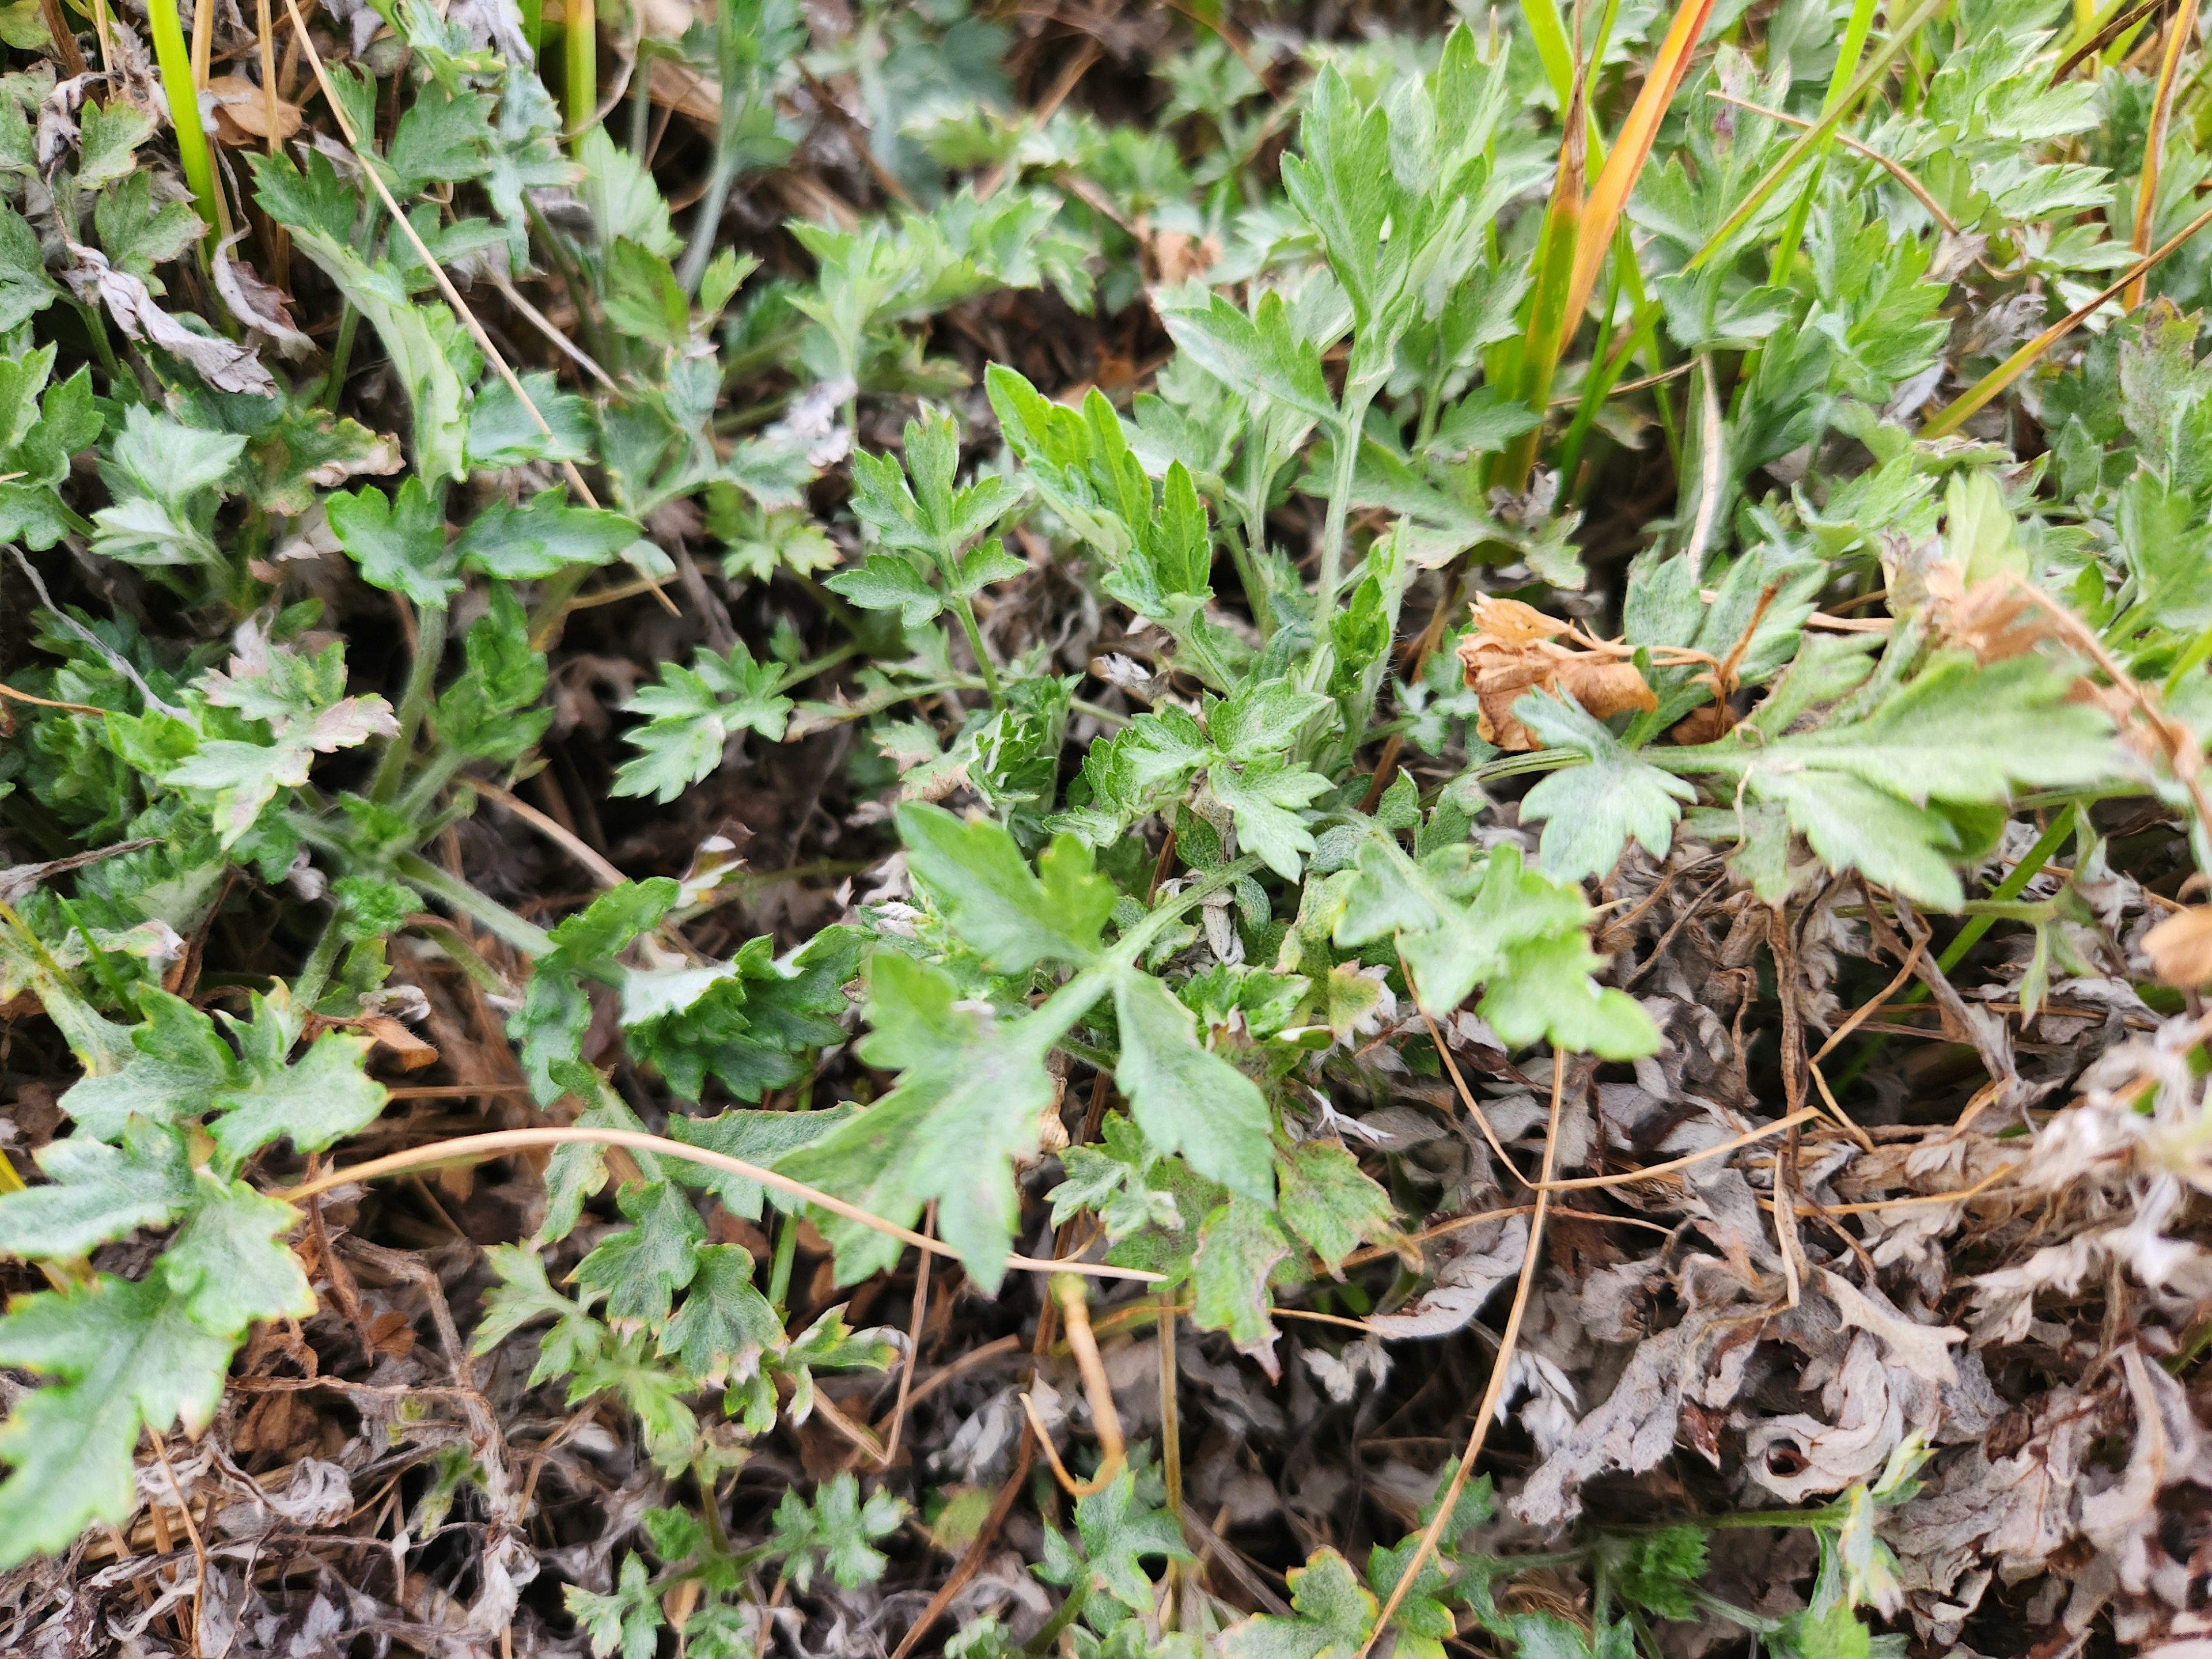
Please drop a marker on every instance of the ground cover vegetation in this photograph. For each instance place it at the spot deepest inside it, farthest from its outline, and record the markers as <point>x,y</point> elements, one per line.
<point>1286,831</point>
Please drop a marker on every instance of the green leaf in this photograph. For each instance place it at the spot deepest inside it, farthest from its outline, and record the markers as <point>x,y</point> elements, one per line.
<point>629,1620</point>
<point>693,713</point>
<point>124,1355</point>
<point>1663,1569</point>
<point>1238,1248</point>
<point>1186,1098</point>
<point>1119,1529</point>
<point>1961,732</point>
<point>503,433</point>
<point>970,1102</point>
<point>1263,796</point>
<point>1834,1633</point>
<point>760,1138</point>
<point>1330,1615</point>
<point>226,1265</point>
<point>1344,187</point>
<point>1258,353</point>
<point>932,517</point>
<point>1329,1203</point>
<point>138,233</point>
<point>525,543</point>
<point>835,1532</point>
<point>725,1325</point>
<point>180,1065</point>
<point>640,1268</point>
<point>523,1297</point>
<point>885,582</point>
<point>1262,719</point>
<point>108,136</point>
<point>1460,924</point>
<point>99,1193</point>
<point>642,296</point>
<point>433,389</point>
<point>25,290</point>
<point>1590,811</point>
<point>398,542</point>
<point>441,139</point>
<point>626,205</point>
<point>977,877</point>
<point>314,1104</point>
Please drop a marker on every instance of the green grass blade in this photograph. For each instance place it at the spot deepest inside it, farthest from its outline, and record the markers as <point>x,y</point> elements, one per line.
<point>1816,134</point>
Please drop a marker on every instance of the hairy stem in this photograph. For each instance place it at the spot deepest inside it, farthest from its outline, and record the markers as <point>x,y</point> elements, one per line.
<point>415,700</point>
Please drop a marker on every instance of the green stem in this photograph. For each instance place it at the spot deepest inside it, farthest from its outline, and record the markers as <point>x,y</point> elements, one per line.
<point>177,87</point>
<point>822,664</point>
<point>102,968</point>
<point>495,918</point>
<point>308,985</point>
<point>966,612</point>
<point>552,607</point>
<point>1062,1617</point>
<point>729,137</point>
<point>779,1273</point>
<point>464,956</point>
<point>583,54</point>
<point>437,772</point>
<point>415,702</point>
<point>1340,503</point>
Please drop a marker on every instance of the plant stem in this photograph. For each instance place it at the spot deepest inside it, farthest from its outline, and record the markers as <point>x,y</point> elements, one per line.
<point>177,87</point>
<point>314,973</point>
<point>1062,1617</point>
<point>779,1273</point>
<point>1339,504</point>
<point>583,54</point>
<point>437,772</point>
<point>966,612</point>
<point>415,702</point>
<point>524,936</point>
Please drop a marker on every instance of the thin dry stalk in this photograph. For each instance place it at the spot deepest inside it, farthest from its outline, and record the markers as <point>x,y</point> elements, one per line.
<point>1075,1310</point>
<point>1494,1390</point>
<point>913,1343</point>
<point>476,1148</point>
<point>1651,1172</point>
<point>569,842</point>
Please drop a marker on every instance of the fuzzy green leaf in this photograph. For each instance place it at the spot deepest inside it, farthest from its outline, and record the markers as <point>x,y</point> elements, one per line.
<point>1013,918</point>
<point>124,1355</point>
<point>1186,1098</point>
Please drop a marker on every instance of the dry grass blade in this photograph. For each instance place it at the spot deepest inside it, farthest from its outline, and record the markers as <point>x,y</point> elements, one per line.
<point>2180,30</point>
<point>1895,168</point>
<point>1631,147</point>
<point>1954,415</point>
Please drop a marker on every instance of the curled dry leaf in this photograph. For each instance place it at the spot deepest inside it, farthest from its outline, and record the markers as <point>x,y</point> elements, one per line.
<point>1518,651</point>
<point>223,364</point>
<point>243,112</point>
<point>2180,948</point>
<point>258,305</point>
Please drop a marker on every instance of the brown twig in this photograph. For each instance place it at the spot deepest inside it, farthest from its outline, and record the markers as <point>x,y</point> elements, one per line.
<point>913,1343</point>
